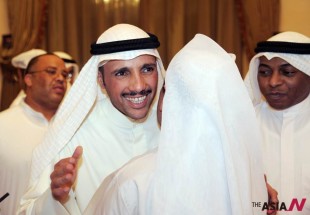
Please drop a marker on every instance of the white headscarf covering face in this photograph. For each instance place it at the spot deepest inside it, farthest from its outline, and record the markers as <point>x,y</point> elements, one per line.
<point>209,158</point>
<point>83,96</point>
<point>299,61</point>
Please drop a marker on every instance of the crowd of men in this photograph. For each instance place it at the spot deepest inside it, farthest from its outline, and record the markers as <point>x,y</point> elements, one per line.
<point>124,136</point>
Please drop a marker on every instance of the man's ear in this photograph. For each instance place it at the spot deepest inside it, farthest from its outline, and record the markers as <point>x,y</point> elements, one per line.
<point>28,80</point>
<point>100,80</point>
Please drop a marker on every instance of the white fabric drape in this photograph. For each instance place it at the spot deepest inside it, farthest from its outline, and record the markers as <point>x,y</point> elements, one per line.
<point>209,157</point>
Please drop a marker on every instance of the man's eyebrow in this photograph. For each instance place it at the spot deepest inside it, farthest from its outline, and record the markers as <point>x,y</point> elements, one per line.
<point>56,68</point>
<point>263,65</point>
<point>268,66</point>
<point>148,65</point>
<point>125,68</point>
<point>121,69</point>
<point>286,65</point>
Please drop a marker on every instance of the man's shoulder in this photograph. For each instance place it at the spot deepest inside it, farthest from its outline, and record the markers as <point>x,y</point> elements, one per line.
<point>10,113</point>
<point>10,120</point>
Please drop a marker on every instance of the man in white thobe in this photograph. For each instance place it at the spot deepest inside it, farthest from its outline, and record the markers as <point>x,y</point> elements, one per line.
<point>209,156</point>
<point>279,83</point>
<point>23,126</point>
<point>113,123</point>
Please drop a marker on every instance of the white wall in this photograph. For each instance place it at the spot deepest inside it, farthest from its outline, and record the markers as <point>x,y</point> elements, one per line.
<point>294,16</point>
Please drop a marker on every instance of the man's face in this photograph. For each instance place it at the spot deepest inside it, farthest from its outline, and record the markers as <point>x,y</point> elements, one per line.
<point>131,84</point>
<point>282,84</point>
<point>160,104</point>
<point>46,81</point>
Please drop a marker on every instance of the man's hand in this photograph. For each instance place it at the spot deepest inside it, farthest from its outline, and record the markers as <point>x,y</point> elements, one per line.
<point>64,175</point>
<point>272,198</point>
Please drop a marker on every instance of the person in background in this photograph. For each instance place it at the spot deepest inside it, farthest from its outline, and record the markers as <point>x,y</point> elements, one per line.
<point>279,83</point>
<point>70,63</point>
<point>209,157</point>
<point>110,111</point>
<point>23,126</point>
<point>20,62</point>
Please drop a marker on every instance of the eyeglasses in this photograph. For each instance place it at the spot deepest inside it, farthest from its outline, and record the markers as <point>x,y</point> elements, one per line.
<point>53,72</point>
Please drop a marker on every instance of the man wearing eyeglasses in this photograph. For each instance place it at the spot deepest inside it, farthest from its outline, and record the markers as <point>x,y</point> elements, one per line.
<point>22,127</point>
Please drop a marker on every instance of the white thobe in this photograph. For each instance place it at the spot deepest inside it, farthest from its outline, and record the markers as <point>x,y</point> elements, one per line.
<point>109,140</point>
<point>127,191</point>
<point>286,147</point>
<point>21,129</point>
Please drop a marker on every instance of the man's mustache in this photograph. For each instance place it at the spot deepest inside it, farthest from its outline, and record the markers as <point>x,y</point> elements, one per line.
<point>134,93</point>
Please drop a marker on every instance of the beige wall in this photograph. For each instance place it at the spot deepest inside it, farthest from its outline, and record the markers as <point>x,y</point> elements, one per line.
<point>295,16</point>
<point>4,24</point>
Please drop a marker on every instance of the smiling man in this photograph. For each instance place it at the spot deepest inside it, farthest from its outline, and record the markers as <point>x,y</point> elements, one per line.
<point>279,78</point>
<point>131,84</point>
<point>23,126</point>
<point>107,118</point>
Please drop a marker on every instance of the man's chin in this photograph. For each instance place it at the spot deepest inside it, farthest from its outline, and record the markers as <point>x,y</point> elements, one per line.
<point>57,99</point>
<point>278,106</point>
<point>139,116</point>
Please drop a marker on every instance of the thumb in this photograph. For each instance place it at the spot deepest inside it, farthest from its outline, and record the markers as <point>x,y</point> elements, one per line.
<point>78,152</point>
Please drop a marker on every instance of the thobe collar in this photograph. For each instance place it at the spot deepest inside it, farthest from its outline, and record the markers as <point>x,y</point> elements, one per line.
<point>35,116</point>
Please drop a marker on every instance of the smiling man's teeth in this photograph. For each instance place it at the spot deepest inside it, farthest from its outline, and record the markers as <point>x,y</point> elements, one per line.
<point>137,100</point>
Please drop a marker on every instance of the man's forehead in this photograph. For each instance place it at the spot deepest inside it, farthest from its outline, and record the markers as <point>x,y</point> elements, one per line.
<point>274,61</point>
<point>49,60</point>
<point>137,61</point>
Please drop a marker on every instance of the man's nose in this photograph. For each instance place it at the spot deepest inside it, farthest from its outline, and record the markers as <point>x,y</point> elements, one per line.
<point>275,79</point>
<point>60,76</point>
<point>137,82</point>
